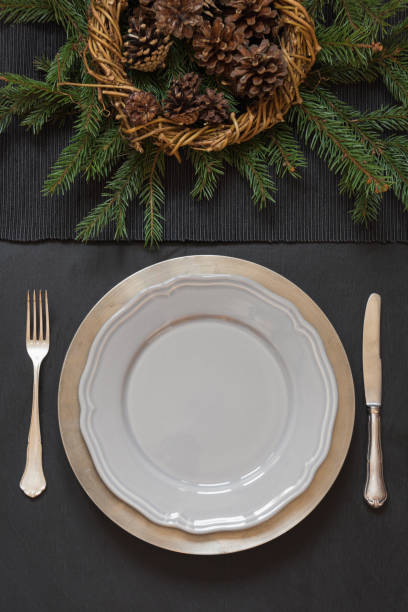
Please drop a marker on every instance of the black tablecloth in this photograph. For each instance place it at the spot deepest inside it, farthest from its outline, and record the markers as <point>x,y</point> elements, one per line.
<point>60,552</point>
<point>307,210</point>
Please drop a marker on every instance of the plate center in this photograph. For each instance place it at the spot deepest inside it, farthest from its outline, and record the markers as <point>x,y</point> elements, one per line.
<point>207,402</point>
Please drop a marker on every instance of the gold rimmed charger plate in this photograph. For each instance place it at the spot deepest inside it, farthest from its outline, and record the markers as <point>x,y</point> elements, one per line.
<point>127,517</point>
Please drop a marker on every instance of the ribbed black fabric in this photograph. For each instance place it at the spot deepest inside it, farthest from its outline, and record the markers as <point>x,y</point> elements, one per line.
<point>307,210</point>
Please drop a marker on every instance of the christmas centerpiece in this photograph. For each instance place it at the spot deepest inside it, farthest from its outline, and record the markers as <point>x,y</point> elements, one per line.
<point>215,82</point>
<point>257,50</point>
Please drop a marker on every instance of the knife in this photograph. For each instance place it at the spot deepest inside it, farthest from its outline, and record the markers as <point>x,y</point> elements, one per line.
<point>375,492</point>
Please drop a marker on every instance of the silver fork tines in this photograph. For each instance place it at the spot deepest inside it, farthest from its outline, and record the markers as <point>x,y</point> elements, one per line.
<point>33,480</point>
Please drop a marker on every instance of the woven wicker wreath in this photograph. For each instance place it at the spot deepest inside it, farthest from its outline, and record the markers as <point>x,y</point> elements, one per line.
<point>299,46</point>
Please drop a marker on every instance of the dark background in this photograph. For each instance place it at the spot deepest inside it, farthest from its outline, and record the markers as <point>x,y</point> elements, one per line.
<point>60,552</point>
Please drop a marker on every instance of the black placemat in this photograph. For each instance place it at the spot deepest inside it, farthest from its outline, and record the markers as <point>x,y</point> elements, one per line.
<point>59,553</point>
<point>307,210</point>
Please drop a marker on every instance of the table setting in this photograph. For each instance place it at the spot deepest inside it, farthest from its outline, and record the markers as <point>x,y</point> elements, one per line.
<point>203,402</point>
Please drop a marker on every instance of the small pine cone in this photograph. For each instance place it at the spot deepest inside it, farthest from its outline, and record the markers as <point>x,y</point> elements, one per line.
<point>214,108</point>
<point>178,17</point>
<point>141,107</point>
<point>258,18</point>
<point>259,70</point>
<point>146,48</point>
<point>214,46</point>
<point>181,100</point>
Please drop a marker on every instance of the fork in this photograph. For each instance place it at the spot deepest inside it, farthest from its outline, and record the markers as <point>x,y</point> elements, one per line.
<point>33,480</point>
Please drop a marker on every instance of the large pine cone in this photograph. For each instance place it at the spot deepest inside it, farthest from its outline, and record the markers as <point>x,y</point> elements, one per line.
<point>258,18</point>
<point>214,45</point>
<point>178,17</point>
<point>213,107</point>
<point>181,103</point>
<point>141,107</point>
<point>259,70</point>
<point>146,47</point>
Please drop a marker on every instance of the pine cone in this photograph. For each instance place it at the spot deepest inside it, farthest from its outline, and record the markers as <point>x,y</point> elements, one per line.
<point>258,70</point>
<point>146,5</point>
<point>214,45</point>
<point>214,108</point>
<point>141,107</point>
<point>181,100</point>
<point>211,10</point>
<point>146,48</point>
<point>178,17</point>
<point>258,18</point>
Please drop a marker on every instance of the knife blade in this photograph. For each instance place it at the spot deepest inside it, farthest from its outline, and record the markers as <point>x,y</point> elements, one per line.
<point>371,351</point>
<point>375,492</point>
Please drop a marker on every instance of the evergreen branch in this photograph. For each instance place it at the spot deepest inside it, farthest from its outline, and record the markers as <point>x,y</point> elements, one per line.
<point>373,14</point>
<point>42,63</point>
<point>65,60</point>
<point>4,121</point>
<point>250,161</point>
<point>26,11</point>
<point>68,164</point>
<point>34,102</point>
<point>342,73</point>
<point>341,44</point>
<point>396,155</point>
<point>366,207</point>
<point>315,8</point>
<point>118,193</point>
<point>207,168</point>
<point>320,127</point>
<point>91,114</point>
<point>390,152</point>
<point>105,152</point>
<point>37,118</point>
<point>21,88</point>
<point>70,14</point>
<point>395,78</point>
<point>152,194</point>
<point>384,118</point>
<point>283,151</point>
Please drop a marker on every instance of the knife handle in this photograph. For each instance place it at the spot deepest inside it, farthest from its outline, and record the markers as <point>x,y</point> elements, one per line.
<point>375,492</point>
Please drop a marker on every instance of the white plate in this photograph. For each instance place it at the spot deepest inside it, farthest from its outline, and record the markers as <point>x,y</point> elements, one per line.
<point>207,403</point>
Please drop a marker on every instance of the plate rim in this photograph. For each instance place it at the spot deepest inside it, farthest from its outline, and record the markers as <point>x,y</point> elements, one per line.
<point>167,287</point>
<point>127,517</point>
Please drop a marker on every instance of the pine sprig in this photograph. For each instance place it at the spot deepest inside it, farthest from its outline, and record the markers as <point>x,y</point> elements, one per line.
<point>344,45</point>
<point>33,102</point>
<point>250,160</point>
<point>390,153</point>
<point>322,129</point>
<point>26,11</point>
<point>69,164</point>
<point>151,195</point>
<point>119,192</point>
<point>66,60</point>
<point>283,151</point>
<point>105,152</point>
<point>207,169</point>
<point>70,14</point>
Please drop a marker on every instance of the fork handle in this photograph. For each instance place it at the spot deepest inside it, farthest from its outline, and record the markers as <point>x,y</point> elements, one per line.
<point>33,481</point>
